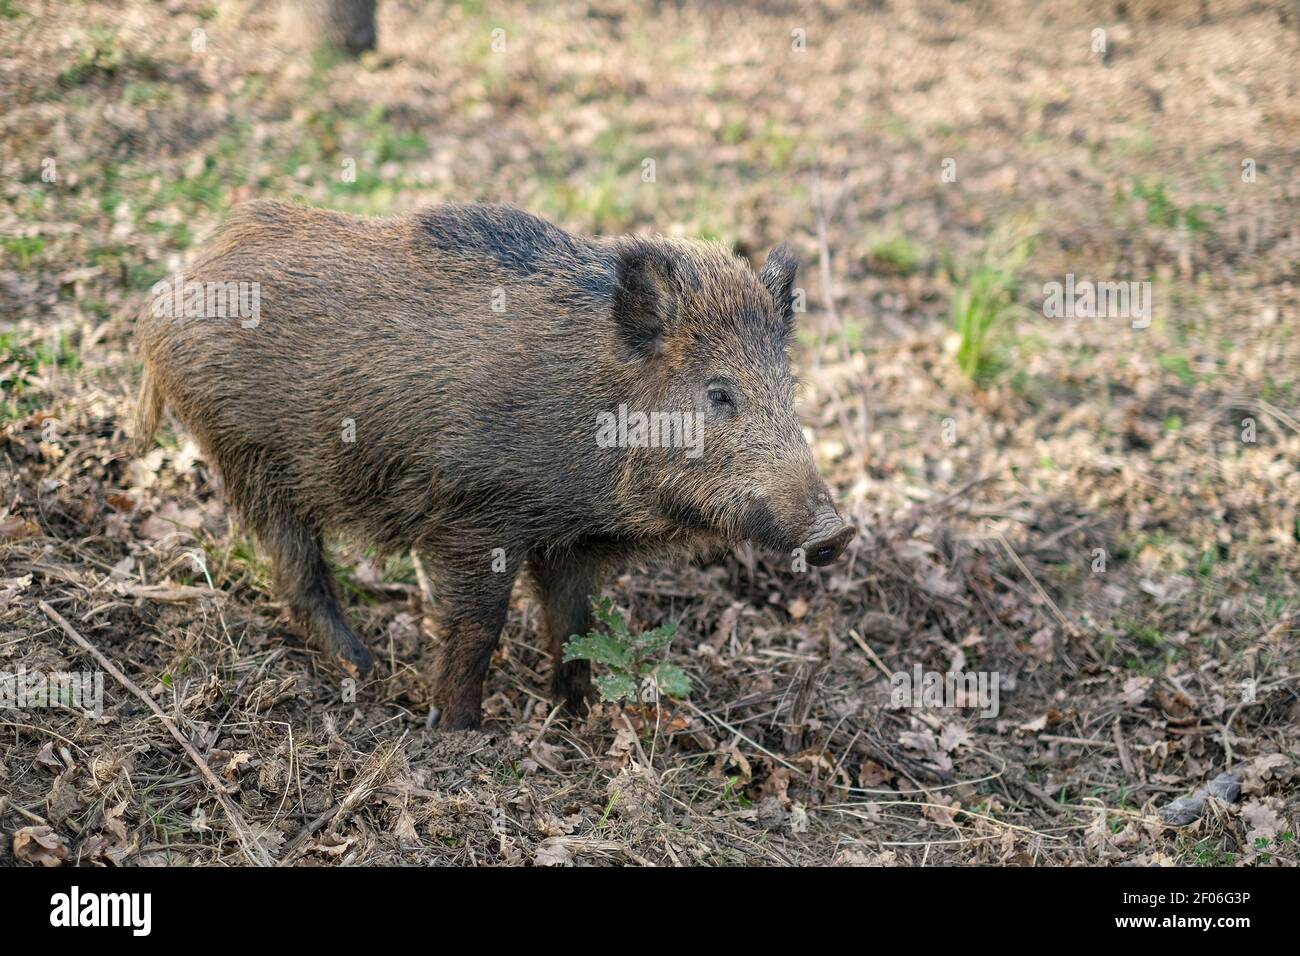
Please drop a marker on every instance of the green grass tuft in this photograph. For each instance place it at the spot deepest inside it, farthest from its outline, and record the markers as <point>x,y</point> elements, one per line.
<point>895,254</point>
<point>985,302</point>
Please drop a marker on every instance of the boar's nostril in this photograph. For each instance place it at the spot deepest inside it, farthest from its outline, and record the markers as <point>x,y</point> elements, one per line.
<point>829,538</point>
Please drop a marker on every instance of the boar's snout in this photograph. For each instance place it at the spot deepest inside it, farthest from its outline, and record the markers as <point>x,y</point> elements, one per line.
<point>827,538</point>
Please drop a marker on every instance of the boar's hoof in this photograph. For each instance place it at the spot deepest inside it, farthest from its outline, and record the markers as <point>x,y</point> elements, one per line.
<point>573,689</point>
<point>451,721</point>
<point>355,659</point>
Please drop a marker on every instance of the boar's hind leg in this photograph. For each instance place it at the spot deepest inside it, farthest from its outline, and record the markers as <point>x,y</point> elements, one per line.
<point>303,581</point>
<point>475,598</point>
<point>565,584</point>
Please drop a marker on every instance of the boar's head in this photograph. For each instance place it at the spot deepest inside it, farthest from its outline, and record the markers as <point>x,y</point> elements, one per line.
<point>707,337</point>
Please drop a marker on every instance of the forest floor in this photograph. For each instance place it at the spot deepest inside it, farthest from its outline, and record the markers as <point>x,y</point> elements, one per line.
<point>1105,521</point>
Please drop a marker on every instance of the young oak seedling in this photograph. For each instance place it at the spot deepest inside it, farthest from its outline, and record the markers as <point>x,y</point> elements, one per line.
<point>636,669</point>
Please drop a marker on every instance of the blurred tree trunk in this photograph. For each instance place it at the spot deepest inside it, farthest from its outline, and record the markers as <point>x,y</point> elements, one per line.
<point>347,25</point>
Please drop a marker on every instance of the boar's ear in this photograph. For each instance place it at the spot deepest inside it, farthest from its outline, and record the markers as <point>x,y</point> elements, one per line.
<point>645,303</point>
<point>777,275</point>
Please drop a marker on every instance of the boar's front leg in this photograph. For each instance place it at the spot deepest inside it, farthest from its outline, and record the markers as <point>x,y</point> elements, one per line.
<point>474,597</point>
<point>565,583</point>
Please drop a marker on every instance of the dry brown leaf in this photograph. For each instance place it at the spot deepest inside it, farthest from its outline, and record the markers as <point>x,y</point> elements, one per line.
<point>777,785</point>
<point>553,852</point>
<point>120,502</point>
<point>404,828</point>
<point>732,763</point>
<point>624,743</point>
<point>942,810</point>
<point>922,742</point>
<point>62,801</point>
<point>333,844</point>
<point>39,845</point>
<point>113,823</point>
<point>953,736</point>
<point>1262,819</point>
<point>1266,768</point>
<point>46,758</point>
<point>16,526</point>
<point>872,776</point>
<point>1135,690</point>
<point>170,524</point>
<point>235,763</point>
<point>1034,726</point>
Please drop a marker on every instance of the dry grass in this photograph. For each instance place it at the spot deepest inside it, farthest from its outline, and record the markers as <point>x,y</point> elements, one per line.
<point>981,510</point>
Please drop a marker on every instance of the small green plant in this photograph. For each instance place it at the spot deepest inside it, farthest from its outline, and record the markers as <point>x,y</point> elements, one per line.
<point>23,367</point>
<point>734,795</point>
<point>101,56</point>
<point>1180,366</point>
<point>777,147</point>
<point>895,254</point>
<point>1162,211</point>
<point>633,660</point>
<point>1205,853</point>
<point>985,302</point>
<point>24,248</point>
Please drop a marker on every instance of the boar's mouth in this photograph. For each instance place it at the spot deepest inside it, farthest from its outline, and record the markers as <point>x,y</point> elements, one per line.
<point>758,522</point>
<point>687,515</point>
<point>822,538</point>
<point>753,522</point>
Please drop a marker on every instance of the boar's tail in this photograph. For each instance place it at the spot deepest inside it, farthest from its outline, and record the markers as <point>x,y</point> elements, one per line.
<point>148,411</point>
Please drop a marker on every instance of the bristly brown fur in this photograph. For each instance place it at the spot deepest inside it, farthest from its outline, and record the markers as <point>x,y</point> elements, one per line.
<point>471,348</point>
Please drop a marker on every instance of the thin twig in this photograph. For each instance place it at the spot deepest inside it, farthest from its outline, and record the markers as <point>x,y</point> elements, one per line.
<point>824,250</point>
<point>757,746</point>
<point>367,783</point>
<point>426,589</point>
<point>252,849</point>
<point>1066,625</point>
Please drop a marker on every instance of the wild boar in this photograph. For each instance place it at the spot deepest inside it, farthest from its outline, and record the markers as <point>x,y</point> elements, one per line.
<point>473,382</point>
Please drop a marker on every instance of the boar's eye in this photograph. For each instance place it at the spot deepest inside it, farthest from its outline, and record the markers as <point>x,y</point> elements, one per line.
<point>720,396</point>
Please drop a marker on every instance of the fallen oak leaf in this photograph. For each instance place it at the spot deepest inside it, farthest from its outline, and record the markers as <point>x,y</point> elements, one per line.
<point>553,852</point>
<point>39,845</point>
<point>235,764</point>
<point>120,503</point>
<point>62,801</point>
<point>114,825</point>
<point>953,736</point>
<point>92,851</point>
<point>333,844</point>
<point>1135,690</point>
<point>1034,726</point>
<point>922,742</point>
<point>46,758</point>
<point>1262,819</point>
<point>1278,768</point>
